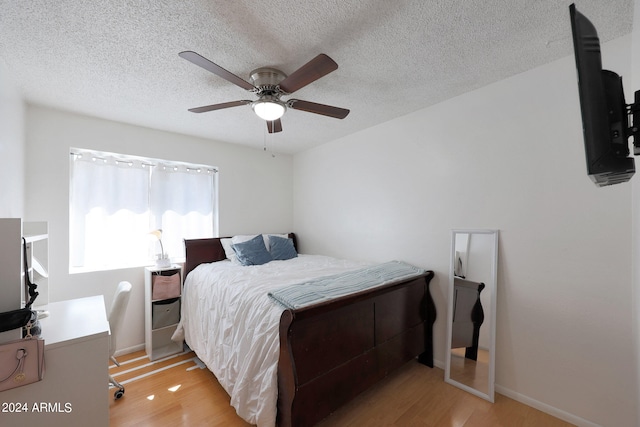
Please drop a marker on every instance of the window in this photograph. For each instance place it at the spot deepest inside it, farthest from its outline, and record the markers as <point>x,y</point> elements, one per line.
<point>117,200</point>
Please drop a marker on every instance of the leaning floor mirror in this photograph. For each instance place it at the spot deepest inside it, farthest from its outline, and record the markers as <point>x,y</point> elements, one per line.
<point>471,319</point>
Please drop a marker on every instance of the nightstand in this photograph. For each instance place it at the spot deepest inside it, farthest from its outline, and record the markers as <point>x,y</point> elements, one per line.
<point>163,293</point>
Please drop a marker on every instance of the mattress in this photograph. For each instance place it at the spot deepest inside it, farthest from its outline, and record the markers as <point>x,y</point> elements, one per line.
<point>231,324</point>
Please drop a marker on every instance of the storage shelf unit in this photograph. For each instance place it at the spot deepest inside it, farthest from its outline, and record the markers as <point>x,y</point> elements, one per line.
<point>163,293</point>
<point>37,238</point>
<point>12,291</point>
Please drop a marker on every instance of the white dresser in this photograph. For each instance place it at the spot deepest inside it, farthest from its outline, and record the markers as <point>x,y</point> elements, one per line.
<point>75,388</point>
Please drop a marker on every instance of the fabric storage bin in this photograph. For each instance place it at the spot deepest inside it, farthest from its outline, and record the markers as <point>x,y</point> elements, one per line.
<point>165,313</point>
<point>164,287</point>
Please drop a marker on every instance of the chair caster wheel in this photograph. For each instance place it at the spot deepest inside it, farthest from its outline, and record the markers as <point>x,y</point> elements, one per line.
<point>118,394</point>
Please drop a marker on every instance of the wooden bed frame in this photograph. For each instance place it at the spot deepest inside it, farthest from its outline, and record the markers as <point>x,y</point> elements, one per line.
<point>330,352</point>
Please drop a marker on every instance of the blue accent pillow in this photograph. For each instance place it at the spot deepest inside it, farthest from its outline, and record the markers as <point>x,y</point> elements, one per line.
<point>281,248</point>
<point>252,252</point>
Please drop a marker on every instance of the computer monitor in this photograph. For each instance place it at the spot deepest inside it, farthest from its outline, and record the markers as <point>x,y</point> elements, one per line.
<point>605,115</point>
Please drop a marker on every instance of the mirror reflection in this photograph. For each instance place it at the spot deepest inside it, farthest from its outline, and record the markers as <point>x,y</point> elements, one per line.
<point>471,315</point>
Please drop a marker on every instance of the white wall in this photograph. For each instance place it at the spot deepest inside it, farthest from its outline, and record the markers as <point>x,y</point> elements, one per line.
<point>11,147</point>
<point>508,156</point>
<point>255,193</point>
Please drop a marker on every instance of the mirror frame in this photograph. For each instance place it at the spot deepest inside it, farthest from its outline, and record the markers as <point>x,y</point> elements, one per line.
<point>490,284</point>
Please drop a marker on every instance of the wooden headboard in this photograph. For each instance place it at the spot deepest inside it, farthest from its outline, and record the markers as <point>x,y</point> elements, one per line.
<point>200,251</point>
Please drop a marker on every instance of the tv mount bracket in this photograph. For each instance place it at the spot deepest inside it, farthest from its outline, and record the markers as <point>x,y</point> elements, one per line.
<point>634,130</point>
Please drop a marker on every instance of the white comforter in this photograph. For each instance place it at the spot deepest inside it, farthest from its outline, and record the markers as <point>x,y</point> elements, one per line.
<point>232,325</point>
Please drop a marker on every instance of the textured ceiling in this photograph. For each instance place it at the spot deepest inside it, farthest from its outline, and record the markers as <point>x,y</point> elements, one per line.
<point>119,59</point>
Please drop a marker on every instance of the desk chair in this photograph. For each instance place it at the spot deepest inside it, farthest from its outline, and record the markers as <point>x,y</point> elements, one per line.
<point>116,316</point>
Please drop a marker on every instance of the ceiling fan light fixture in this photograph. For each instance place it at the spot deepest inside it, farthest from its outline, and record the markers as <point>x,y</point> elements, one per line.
<point>269,84</point>
<point>268,109</point>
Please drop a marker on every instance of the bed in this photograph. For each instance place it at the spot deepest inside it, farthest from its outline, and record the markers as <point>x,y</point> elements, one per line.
<point>310,359</point>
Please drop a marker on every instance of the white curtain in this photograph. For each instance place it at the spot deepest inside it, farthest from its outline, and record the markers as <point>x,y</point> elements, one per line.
<point>182,205</point>
<point>109,214</point>
<point>115,201</point>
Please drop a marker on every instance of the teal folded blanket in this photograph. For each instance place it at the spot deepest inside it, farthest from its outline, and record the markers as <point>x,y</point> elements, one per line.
<point>330,287</point>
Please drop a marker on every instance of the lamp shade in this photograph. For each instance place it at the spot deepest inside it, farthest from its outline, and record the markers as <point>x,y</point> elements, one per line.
<point>268,110</point>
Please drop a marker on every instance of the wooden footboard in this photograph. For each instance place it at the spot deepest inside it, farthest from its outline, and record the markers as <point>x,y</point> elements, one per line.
<point>331,352</point>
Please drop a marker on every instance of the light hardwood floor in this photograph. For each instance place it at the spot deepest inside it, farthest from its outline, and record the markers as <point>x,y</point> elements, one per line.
<point>473,373</point>
<point>415,395</point>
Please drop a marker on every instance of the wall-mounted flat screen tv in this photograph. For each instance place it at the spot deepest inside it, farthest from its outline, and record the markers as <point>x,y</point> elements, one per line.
<point>605,115</point>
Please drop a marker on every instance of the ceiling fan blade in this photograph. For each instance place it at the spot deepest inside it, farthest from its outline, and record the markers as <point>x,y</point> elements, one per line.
<point>219,106</point>
<point>203,62</point>
<point>312,107</point>
<point>274,126</point>
<point>318,67</point>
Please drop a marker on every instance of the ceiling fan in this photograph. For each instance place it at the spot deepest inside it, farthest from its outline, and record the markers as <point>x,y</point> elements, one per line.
<point>270,84</point>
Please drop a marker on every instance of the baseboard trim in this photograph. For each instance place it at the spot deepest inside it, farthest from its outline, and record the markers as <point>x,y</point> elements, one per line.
<point>128,350</point>
<point>439,364</point>
<point>551,410</point>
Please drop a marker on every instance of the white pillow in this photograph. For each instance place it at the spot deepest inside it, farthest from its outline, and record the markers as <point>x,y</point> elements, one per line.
<point>227,245</point>
<point>266,239</point>
<point>228,250</point>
